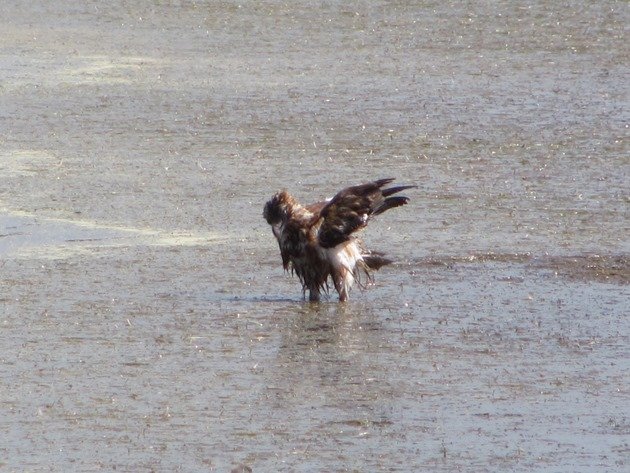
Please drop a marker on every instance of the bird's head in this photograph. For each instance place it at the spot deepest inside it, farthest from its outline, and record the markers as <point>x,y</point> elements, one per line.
<point>278,208</point>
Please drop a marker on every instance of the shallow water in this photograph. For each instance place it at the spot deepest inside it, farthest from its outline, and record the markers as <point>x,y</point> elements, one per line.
<point>146,322</point>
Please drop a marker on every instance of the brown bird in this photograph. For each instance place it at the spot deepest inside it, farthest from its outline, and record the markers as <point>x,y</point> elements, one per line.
<point>318,241</point>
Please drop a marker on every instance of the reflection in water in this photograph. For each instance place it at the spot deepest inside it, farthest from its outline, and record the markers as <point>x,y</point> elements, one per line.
<point>324,343</point>
<point>325,379</point>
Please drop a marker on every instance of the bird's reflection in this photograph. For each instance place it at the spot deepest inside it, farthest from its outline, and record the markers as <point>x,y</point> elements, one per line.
<point>328,350</point>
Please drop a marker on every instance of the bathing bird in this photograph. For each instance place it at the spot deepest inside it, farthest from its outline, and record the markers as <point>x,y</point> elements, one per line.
<point>319,242</point>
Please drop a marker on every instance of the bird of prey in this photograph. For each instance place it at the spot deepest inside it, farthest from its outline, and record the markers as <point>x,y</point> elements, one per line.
<point>319,241</point>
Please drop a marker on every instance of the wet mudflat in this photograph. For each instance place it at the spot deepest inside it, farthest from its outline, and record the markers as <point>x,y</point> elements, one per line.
<point>146,324</point>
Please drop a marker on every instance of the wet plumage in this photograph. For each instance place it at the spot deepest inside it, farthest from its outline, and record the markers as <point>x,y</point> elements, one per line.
<point>318,242</point>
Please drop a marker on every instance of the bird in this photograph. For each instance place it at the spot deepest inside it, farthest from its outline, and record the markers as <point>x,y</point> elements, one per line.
<point>319,242</point>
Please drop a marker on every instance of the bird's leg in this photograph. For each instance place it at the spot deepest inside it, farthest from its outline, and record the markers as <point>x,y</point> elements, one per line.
<point>340,286</point>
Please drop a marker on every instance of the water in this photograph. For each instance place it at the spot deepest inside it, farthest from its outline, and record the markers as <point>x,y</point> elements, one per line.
<point>146,321</point>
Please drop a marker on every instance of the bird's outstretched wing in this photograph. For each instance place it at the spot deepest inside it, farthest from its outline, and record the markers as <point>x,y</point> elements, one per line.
<point>351,209</point>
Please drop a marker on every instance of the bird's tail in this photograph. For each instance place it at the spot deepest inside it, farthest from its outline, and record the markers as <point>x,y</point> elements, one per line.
<point>376,261</point>
<point>369,262</point>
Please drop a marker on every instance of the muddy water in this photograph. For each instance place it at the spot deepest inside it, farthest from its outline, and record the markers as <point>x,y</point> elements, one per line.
<point>146,323</point>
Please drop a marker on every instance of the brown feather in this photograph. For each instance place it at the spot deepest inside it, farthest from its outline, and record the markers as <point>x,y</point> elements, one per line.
<point>351,209</point>
<point>316,241</point>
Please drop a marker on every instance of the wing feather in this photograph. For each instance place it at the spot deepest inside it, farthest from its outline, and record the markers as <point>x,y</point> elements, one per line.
<point>351,209</point>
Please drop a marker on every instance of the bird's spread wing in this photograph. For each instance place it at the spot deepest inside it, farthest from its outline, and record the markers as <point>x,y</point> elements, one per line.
<point>351,209</point>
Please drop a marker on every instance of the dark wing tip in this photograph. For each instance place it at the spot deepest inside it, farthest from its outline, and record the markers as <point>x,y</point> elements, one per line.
<point>395,190</point>
<point>390,203</point>
<point>383,182</point>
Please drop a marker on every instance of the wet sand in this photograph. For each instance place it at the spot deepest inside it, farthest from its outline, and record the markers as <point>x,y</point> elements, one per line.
<point>146,323</point>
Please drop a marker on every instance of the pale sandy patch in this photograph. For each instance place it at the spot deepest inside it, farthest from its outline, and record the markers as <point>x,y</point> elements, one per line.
<point>55,237</point>
<point>27,162</point>
<point>104,70</point>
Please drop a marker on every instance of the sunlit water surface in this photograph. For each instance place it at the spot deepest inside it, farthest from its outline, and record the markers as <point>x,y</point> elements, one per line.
<point>146,323</point>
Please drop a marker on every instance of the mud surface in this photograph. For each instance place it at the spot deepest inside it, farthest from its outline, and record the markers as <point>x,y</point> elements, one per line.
<point>146,323</point>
